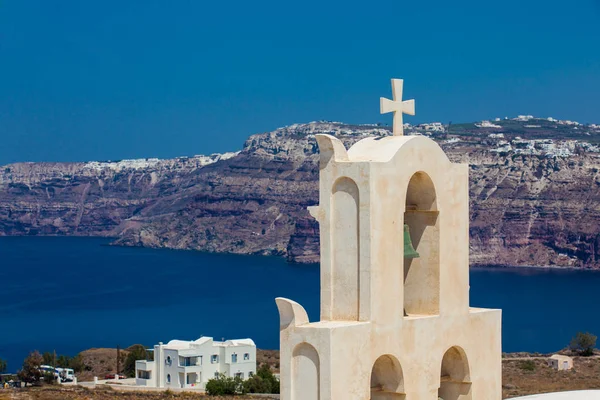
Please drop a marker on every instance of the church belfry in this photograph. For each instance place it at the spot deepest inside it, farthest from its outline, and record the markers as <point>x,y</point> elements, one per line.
<point>395,316</point>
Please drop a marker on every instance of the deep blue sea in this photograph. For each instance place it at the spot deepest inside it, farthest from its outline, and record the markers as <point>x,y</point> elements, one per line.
<point>69,294</point>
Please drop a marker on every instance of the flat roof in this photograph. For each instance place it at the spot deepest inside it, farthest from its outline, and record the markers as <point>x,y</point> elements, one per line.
<point>176,344</point>
<point>560,357</point>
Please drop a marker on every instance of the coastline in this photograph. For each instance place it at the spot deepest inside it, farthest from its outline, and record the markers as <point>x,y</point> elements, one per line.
<point>112,243</point>
<point>528,267</point>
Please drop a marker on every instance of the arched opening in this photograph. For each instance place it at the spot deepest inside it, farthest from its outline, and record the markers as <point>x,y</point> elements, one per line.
<point>305,373</point>
<point>455,380</point>
<point>422,274</point>
<point>345,250</point>
<point>387,381</point>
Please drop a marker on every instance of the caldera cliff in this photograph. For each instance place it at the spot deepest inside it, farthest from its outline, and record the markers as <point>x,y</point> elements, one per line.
<point>534,186</point>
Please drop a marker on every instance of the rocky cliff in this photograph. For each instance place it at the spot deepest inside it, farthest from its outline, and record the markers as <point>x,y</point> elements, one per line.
<point>535,199</point>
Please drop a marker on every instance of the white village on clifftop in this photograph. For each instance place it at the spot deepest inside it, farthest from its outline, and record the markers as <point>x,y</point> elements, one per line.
<point>523,135</point>
<point>500,142</point>
<point>549,147</point>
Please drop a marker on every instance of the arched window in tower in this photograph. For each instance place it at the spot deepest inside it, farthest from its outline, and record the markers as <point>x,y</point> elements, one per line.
<point>387,380</point>
<point>345,249</point>
<point>306,367</point>
<point>421,248</point>
<point>455,382</point>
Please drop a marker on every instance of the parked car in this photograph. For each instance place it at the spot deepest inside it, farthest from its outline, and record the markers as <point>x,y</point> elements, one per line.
<point>112,376</point>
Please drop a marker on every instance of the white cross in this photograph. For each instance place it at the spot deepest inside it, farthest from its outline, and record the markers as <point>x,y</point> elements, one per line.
<point>397,106</point>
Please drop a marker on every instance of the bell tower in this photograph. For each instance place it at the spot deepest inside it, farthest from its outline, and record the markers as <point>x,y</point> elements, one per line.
<point>395,316</point>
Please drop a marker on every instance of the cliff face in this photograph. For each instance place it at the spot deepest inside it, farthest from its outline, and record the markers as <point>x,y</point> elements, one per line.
<point>530,211</point>
<point>528,206</point>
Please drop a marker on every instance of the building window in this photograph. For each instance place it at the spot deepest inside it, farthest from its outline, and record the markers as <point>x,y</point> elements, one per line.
<point>168,361</point>
<point>234,358</point>
<point>250,374</point>
<point>143,374</point>
<point>239,375</point>
<point>246,356</point>
<point>214,359</point>
<point>188,361</point>
<point>216,375</point>
<point>168,378</point>
<point>200,363</point>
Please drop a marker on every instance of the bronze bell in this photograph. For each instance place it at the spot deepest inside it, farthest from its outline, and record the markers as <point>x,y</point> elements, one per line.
<point>409,250</point>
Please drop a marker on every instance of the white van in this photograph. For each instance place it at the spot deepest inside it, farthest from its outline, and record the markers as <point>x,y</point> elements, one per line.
<point>47,369</point>
<point>66,374</point>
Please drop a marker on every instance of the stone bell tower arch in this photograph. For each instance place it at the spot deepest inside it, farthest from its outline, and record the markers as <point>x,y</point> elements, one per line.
<point>395,321</point>
<point>422,274</point>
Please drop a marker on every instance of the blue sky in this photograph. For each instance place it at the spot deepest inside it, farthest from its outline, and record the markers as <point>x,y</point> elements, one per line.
<point>99,80</point>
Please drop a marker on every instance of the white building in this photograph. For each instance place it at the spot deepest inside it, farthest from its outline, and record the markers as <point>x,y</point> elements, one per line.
<point>190,364</point>
<point>560,363</point>
<point>503,147</point>
<point>568,122</point>
<point>432,127</point>
<point>523,118</point>
<point>487,124</point>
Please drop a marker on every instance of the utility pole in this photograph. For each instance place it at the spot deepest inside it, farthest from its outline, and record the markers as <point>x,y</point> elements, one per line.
<point>118,359</point>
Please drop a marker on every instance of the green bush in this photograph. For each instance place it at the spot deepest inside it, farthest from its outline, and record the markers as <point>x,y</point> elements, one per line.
<point>583,343</point>
<point>256,384</point>
<point>224,385</point>
<point>49,378</point>
<point>48,358</point>
<point>263,382</point>
<point>269,380</point>
<point>62,361</point>
<point>136,352</point>
<point>77,364</point>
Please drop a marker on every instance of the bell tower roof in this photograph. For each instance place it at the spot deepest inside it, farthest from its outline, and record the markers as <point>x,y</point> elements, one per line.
<point>385,149</point>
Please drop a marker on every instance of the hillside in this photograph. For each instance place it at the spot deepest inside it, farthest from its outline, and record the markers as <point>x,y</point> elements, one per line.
<point>534,186</point>
<point>522,374</point>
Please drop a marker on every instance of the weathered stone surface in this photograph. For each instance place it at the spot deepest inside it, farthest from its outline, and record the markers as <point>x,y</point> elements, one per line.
<point>526,209</point>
